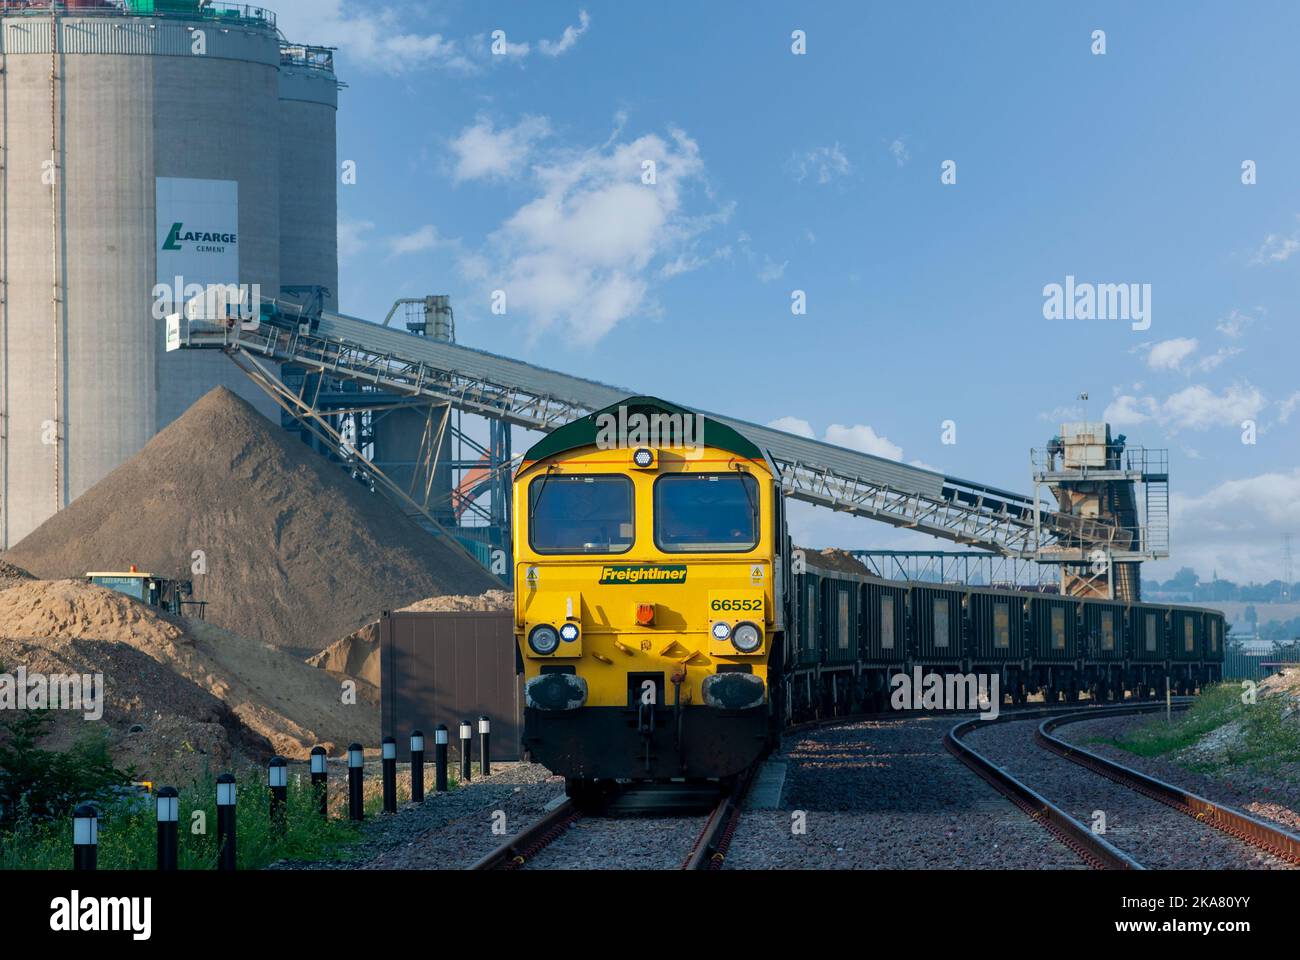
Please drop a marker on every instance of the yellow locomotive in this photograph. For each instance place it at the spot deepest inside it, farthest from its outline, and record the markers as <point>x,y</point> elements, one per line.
<point>650,596</point>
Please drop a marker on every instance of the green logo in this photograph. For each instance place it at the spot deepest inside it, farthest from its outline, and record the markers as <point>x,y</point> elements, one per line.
<point>173,238</point>
<point>659,573</point>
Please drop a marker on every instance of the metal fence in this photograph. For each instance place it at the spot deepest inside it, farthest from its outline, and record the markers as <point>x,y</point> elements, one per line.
<point>1238,665</point>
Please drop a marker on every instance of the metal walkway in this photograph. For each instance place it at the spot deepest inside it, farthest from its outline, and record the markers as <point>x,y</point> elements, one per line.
<point>518,393</point>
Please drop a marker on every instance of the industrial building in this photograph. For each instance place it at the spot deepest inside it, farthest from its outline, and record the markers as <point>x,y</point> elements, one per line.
<point>143,140</point>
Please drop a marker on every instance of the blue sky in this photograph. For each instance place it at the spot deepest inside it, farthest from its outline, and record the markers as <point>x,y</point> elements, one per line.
<point>820,172</point>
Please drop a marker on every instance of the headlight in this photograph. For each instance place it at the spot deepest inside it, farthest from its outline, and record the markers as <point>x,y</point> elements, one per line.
<point>569,632</point>
<point>746,638</point>
<point>544,640</point>
<point>721,631</point>
<point>643,458</point>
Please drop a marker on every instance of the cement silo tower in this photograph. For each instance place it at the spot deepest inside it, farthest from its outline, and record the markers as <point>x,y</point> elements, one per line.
<point>141,142</point>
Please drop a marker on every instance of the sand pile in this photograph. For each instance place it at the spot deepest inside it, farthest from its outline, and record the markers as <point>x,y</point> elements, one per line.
<point>183,680</point>
<point>11,576</point>
<point>357,655</point>
<point>833,559</point>
<point>296,553</point>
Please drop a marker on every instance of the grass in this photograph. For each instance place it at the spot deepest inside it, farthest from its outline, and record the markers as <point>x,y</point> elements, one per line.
<point>1269,738</point>
<point>128,832</point>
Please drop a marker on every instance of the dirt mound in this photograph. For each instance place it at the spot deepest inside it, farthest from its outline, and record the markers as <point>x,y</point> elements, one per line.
<point>178,677</point>
<point>295,552</point>
<point>11,576</point>
<point>356,656</point>
<point>833,559</point>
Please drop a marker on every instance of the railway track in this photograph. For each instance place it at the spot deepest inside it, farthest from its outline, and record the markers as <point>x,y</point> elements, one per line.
<point>711,833</point>
<point>1094,848</point>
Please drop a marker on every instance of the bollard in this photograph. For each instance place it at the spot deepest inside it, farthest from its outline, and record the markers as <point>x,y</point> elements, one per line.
<point>389,754</point>
<point>484,748</point>
<point>440,759</point>
<point>277,778</point>
<point>417,766</point>
<point>320,779</point>
<point>226,822</point>
<point>356,771</point>
<point>85,837</point>
<point>466,735</point>
<point>167,807</point>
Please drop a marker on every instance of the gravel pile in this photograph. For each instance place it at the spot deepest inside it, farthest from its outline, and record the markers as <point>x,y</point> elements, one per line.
<point>1158,836</point>
<point>11,576</point>
<point>296,553</point>
<point>885,794</point>
<point>1269,798</point>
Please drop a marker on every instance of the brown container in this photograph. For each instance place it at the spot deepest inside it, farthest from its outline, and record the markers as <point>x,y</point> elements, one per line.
<point>445,668</point>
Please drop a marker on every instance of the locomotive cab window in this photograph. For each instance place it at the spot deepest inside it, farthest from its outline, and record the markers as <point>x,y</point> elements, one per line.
<point>580,514</point>
<point>886,622</point>
<point>706,513</point>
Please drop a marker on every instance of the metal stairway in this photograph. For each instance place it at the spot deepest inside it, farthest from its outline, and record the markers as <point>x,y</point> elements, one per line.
<point>525,395</point>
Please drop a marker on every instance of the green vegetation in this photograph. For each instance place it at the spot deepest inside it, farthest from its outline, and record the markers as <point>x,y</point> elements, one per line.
<point>128,832</point>
<point>1269,736</point>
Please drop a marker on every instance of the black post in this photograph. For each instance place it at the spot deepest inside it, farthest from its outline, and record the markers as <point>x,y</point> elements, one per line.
<point>277,778</point>
<point>356,771</point>
<point>417,766</point>
<point>440,758</point>
<point>320,779</point>
<point>466,742</point>
<point>484,747</point>
<point>389,755</point>
<point>167,806</point>
<point>85,837</point>
<point>226,822</point>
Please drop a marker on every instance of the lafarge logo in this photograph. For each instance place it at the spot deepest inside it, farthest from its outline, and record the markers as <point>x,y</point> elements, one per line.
<point>204,242</point>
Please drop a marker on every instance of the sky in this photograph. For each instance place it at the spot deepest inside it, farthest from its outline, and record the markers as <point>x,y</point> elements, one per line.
<point>641,193</point>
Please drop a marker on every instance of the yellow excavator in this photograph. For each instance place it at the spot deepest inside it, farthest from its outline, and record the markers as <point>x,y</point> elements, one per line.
<point>171,596</point>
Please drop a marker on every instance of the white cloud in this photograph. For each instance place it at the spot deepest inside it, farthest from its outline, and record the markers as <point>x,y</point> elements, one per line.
<point>1288,407</point>
<point>825,163</point>
<point>581,254</point>
<point>898,150</point>
<point>1277,248</point>
<point>857,437</point>
<point>1234,324</point>
<point>800,428</point>
<point>1195,408</point>
<point>772,270</point>
<point>352,236</point>
<point>371,39</point>
<point>426,238</point>
<point>1236,527</point>
<point>568,39</point>
<point>483,152</point>
<point>1170,354</point>
<point>864,438</point>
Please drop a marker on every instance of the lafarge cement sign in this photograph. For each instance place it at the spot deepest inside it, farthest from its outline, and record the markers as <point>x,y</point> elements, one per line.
<point>198,231</point>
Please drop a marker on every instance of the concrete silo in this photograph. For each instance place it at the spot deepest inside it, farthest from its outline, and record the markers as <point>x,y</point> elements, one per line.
<point>309,172</point>
<point>140,142</point>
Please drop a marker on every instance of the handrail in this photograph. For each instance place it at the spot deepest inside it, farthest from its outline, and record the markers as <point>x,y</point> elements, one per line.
<point>242,14</point>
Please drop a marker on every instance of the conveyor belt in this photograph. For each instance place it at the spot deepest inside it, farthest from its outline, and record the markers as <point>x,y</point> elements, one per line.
<point>530,396</point>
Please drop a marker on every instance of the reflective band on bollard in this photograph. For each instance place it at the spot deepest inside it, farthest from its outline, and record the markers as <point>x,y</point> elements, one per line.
<point>440,738</point>
<point>417,766</point>
<point>226,822</point>
<point>356,773</point>
<point>85,837</point>
<point>389,766</point>
<point>167,808</point>
<point>320,779</point>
